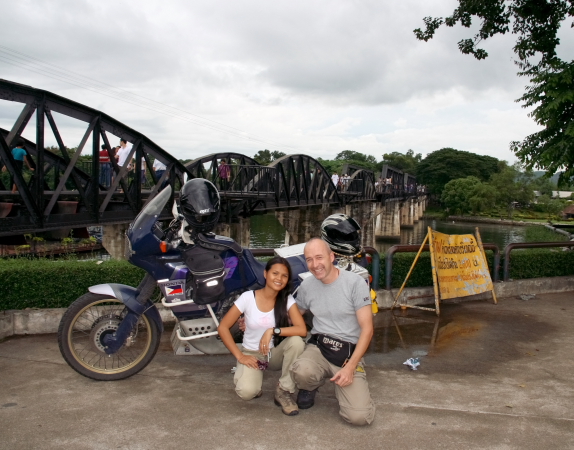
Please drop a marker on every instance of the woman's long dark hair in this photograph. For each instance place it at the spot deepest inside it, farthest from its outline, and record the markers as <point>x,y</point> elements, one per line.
<point>280,310</point>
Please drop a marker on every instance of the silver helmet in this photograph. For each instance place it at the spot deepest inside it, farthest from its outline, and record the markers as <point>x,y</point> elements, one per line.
<point>341,232</point>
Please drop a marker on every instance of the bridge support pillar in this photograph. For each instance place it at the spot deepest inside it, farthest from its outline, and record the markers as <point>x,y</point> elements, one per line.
<point>422,205</point>
<point>388,222</point>
<point>304,223</point>
<point>407,214</point>
<point>114,239</point>
<point>240,232</point>
<point>364,214</point>
<point>416,210</point>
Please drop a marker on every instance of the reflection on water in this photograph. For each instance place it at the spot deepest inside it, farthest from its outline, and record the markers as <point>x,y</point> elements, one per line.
<point>501,235</point>
<point>410,329</point>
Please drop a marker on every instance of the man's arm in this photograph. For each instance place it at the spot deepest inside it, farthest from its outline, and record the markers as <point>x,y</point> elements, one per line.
<point>345,376</point>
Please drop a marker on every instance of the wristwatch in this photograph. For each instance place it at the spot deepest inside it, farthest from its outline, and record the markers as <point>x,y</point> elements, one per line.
<point>277,331</point>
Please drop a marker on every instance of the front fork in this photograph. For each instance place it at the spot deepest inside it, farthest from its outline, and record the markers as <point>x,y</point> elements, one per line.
<point>137,302</point>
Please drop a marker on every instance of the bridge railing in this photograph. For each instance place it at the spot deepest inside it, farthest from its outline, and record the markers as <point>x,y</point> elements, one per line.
<point>248,180</point>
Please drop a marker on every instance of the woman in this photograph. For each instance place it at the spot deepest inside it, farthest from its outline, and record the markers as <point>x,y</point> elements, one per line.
<point>268,336</point>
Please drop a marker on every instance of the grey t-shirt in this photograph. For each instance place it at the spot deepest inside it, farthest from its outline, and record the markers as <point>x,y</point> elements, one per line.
<point>334,305</point>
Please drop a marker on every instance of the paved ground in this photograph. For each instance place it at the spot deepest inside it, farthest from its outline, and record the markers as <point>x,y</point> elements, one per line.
<point>499,377</point>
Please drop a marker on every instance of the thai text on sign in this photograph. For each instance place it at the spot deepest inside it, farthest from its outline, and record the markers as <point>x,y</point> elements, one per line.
<point>460,266</point>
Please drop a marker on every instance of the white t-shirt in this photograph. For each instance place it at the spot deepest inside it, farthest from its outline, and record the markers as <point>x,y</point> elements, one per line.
<point>123,153</point>
<point>335,179</point>
<point>158,165</point>
<point>256,322</point>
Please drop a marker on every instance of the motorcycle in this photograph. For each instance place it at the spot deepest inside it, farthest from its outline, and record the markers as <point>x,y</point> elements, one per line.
<point>113,331</point>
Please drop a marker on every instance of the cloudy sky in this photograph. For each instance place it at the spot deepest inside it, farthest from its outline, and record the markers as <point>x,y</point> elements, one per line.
<point>314,77</point>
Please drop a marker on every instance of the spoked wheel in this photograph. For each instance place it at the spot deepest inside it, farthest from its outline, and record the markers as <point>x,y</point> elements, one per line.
<point>82,330</point>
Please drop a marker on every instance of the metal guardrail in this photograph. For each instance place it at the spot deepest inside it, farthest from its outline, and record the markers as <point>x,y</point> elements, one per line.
<point>414,248</point>
<point>510,247</point>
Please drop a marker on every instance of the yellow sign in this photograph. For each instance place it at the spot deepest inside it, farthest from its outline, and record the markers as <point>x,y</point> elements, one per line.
<point>460,266</point>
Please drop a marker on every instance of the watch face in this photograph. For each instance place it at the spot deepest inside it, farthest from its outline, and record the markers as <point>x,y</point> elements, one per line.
<point>277,331</point>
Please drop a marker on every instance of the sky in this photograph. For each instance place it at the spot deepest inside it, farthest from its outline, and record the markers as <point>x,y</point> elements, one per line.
<point>302,77</point>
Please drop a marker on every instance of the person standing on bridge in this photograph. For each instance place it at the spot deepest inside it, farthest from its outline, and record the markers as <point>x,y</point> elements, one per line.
<point>224,172</point>
<point>123,154</point>
<point>159,169</point>
<point>20,157</point>
<point>335,179</point>
<point>105,167</point>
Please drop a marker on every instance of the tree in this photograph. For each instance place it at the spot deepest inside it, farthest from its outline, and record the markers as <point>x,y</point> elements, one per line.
<point>407,162</point>
<point>552,148</point>
<point>350,155</point>
<point>441,166</point>
<point>512,186</point>
<point>536,24</point>
<point>266,157</point>
<point>358,159</point>
<point>457,193</point>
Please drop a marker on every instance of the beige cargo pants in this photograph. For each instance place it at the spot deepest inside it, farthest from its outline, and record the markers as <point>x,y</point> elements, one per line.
<point>311,370</point>
<point>248,381</point>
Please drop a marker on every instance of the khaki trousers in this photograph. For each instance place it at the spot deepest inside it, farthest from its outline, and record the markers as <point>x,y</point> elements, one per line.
<point>248,381</point>
<point>311,370</point>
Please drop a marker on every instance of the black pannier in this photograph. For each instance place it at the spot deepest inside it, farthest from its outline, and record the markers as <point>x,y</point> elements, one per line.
<point>208,272</point>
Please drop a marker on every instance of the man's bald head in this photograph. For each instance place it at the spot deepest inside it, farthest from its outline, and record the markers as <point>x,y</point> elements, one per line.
<point>319,258</point>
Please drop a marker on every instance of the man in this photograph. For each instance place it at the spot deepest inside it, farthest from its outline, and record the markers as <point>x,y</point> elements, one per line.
<point>20,157</point>
<point>342,315</point>
<point>159,168</point>
<point>335,179</point>
<point>224,172</point>
<point>123,154</point>
<point>105,167</point>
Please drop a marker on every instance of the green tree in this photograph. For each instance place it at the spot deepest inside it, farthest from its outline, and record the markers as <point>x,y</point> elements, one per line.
<point>441,166</point>
<point>407,162</point>
<point>552,148</point>
<point>266,157</point>
<point>544,185</point>
<point>535,24</point>
<point>457,193</point>
<point>512,186</point>
<point>358,159</point>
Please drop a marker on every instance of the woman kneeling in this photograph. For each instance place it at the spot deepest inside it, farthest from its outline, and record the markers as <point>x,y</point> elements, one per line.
<point>269,340</point>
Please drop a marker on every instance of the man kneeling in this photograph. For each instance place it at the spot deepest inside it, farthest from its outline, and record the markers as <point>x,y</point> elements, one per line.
<point>342,329</point>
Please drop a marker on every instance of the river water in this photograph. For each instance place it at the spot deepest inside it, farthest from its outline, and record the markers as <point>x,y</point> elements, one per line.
<point>267,232</point>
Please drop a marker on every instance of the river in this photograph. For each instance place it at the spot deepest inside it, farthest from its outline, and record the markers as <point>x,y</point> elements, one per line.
<point>267,232</point>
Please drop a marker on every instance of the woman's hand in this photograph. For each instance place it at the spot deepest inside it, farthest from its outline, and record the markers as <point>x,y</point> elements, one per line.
<point>249,361</point>
<point>265,341</point>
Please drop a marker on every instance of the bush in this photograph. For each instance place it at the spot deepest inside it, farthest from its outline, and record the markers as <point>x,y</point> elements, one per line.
<point>45,283</point>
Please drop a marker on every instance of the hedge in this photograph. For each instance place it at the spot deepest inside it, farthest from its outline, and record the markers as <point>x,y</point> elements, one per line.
<point>524,264</point>
<point>45,283</point>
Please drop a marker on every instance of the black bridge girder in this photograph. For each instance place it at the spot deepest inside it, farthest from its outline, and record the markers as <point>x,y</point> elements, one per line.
<point>64,180</point>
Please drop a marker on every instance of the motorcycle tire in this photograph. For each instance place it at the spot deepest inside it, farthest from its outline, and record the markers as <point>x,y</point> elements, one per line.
<point>82,328</point>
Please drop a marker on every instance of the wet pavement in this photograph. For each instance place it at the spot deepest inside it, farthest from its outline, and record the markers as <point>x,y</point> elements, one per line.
<point>491,376</point>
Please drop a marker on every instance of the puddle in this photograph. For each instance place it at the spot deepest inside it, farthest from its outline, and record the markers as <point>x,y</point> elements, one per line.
<point>422,333</point>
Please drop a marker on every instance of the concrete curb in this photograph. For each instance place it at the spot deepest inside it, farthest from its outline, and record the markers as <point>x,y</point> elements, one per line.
<point>41,321</point>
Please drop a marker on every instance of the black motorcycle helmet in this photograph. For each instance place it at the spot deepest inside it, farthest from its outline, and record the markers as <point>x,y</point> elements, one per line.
<point>200,204</point>
<point>341,232</point>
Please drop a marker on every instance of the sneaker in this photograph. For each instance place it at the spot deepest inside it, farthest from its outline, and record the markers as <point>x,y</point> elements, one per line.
<point>284,399</point>
<point>306,399</point>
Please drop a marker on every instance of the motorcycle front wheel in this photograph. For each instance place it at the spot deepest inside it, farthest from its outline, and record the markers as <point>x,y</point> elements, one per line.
<point>81,333</point>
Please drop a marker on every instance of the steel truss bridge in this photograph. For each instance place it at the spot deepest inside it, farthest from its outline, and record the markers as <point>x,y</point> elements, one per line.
<point>60,192</point>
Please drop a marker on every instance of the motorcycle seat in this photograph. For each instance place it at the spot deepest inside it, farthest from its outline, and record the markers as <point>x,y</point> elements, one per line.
<point>257,266</point>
